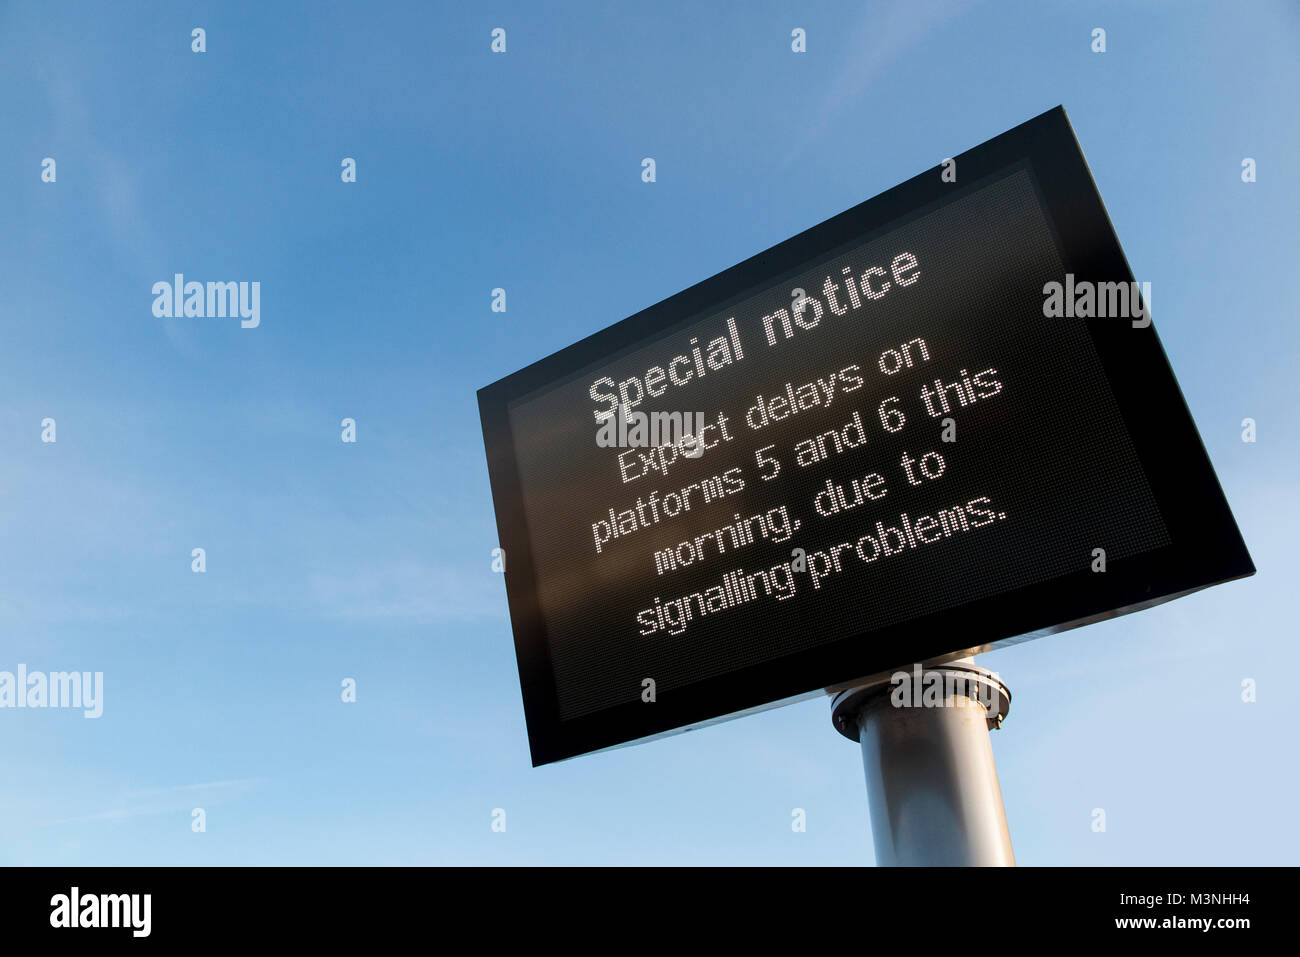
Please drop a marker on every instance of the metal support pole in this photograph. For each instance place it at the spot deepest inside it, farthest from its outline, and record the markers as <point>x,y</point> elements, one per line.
<point>931,781</point>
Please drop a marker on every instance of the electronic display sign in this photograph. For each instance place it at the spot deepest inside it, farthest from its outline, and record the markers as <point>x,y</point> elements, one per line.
<point>936,423</point>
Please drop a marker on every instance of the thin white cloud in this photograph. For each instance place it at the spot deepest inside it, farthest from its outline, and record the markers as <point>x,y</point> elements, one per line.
<point>886,33</point>
<point>178,798</point>
<point>415,591</point>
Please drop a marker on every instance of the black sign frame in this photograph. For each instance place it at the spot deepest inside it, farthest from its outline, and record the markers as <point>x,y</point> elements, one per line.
<point>1206,547</point>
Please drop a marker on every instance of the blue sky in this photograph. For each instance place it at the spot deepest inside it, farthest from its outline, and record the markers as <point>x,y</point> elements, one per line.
<point>474,170</point>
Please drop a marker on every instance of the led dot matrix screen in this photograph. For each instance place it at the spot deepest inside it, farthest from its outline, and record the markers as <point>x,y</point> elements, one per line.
<point>882,441</point>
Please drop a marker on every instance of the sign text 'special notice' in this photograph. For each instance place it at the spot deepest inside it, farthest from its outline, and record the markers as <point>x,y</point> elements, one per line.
<point>867,446</point>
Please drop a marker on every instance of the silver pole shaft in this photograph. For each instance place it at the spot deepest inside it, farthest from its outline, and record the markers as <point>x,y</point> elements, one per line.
<point>932,782</point>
